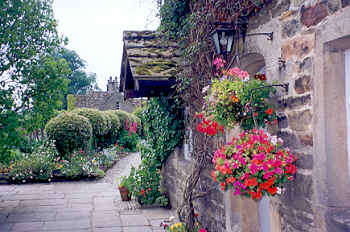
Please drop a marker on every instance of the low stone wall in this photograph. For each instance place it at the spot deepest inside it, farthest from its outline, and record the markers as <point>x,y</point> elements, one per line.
<point>210,208</point>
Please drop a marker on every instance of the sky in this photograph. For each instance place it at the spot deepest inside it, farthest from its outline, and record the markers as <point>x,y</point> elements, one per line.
<point>94,29</point>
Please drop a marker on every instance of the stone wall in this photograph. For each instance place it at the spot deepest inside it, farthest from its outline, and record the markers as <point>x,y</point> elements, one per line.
<point>211,209</point>
<point>307,52</point>
<point>111,99</point>
<point>104,101</point>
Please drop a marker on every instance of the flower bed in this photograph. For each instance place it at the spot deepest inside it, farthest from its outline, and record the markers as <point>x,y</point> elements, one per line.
<point>45,165</point>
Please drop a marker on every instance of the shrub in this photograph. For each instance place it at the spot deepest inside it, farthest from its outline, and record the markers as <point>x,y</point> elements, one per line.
<point>123,116</point>
<point>70,132</point>
<point>112,135</point>
<point>99,122</point>
<point>138,111</point>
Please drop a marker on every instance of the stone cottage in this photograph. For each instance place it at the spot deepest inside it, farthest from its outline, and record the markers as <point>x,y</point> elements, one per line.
<point>311,52</point>
<point>111,99</point>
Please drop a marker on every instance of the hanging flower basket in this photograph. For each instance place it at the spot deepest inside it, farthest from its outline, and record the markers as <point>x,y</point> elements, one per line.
<point>253,164</point>
<point>235,99</point>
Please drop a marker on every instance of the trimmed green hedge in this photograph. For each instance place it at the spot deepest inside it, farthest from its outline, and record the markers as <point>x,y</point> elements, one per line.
<point>100,122</point>
<point>70,132</point>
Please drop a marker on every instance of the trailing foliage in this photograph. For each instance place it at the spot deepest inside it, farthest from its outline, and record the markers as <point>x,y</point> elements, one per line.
<point>70,132</point>
<point>163,125</point>
<point>173,15</point>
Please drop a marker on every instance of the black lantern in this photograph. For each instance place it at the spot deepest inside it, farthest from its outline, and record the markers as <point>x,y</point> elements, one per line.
<point>223,38</point>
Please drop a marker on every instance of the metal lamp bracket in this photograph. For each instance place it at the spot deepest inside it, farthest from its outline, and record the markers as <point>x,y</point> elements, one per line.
<point>268,34</point>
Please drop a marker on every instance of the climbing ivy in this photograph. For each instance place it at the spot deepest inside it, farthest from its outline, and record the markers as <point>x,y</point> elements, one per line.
<point>173,15</point>
<point>163,126</point>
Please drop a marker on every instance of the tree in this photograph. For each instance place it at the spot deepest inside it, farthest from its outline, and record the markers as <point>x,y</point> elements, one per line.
<point>80,80</point>
<point>27,35</point>
<point>50,85</point>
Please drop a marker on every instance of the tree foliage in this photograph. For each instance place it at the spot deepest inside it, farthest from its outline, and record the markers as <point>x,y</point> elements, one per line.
<point>80,80</point>
<point>28,35</point>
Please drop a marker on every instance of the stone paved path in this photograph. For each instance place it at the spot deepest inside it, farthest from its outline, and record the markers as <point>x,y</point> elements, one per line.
<point>93,206</point>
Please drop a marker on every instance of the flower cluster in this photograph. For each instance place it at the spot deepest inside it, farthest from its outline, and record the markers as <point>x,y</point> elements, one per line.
<point>208,126</point>
<point>131,126</point>
<point>253,164</point>
<point>236,73</point>
<point>178,227</point>
<point>235,99</point>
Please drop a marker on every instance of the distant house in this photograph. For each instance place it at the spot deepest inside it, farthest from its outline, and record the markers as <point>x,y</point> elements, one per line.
<point>111,99</point>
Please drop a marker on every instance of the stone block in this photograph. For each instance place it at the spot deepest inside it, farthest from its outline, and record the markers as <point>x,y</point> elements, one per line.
<point>300,120</point>
<point>295,220</point>
<point>298,193</point>
<point>338,220</point>
<point>282,121</point>
<point>289,139</point>
<point>345,3</point>
<point>304,161</point>
<point>281,7</point>
<point>295,102</point>
<point>299,46</point>
<point>306,65</point>
<point>333,6</point>
<point>306,138</point>
<point>290,28</point>
<point>313,15</point>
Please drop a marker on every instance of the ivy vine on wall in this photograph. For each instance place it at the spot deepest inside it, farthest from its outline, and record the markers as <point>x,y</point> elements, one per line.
<point>162,118</point>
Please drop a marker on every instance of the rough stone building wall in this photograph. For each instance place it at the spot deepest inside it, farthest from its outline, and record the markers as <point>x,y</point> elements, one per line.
<point>310,37</point>
<point>105,100</point>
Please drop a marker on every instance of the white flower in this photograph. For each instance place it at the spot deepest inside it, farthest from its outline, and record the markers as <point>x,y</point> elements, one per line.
<point>274,140</point>
<point>205,89</point>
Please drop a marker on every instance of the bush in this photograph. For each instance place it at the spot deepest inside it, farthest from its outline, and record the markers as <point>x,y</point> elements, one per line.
<point>112,135</point>
<point>138,111</point>
<point>70,132</point>
<point>123,116</point>
<point>99,122</point>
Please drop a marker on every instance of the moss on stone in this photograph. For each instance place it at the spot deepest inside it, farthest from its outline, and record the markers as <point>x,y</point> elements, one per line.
<point>142,70</point>
<point>157,66</point>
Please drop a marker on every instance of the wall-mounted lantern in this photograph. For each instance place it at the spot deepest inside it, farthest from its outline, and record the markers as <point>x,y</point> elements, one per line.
<point>226,35</point>
<point>223,38</point>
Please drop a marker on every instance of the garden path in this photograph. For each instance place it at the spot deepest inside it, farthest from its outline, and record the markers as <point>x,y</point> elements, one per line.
<point>93,206</point>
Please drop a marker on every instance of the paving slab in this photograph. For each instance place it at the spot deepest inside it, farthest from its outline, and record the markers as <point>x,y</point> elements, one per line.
<point>27,226</point>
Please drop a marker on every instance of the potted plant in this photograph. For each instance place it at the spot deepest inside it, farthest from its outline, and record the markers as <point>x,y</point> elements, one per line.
<point>124,188</point>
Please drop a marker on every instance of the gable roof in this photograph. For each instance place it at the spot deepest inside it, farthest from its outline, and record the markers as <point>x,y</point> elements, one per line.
<point>149,63</point>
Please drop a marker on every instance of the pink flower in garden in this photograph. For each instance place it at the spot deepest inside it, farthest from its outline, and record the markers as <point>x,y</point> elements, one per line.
<point>202,230</point>
<point>130,130</point>
<point>126,124</point>
<point>219,63</point>
<point>134,126</point>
